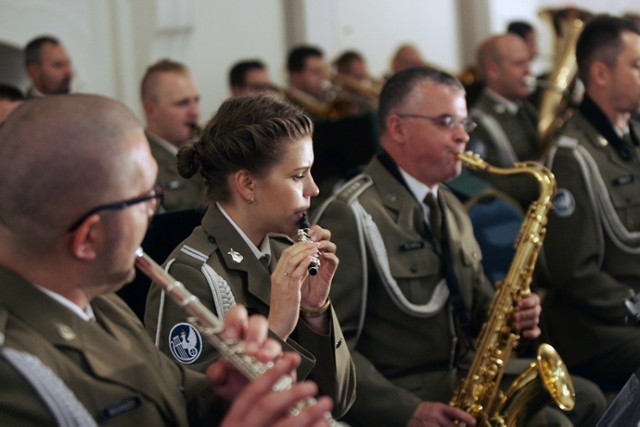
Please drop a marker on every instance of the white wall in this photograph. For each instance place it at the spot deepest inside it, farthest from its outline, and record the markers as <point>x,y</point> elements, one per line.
<point>112,41</point>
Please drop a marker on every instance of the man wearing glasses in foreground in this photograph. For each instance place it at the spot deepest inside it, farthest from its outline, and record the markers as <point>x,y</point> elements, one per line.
<point>412,294</point>
<point>71,352</point>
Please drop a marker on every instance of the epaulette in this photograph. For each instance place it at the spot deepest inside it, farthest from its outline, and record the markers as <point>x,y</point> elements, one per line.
<point>352,189</point>
<point>198,250</point>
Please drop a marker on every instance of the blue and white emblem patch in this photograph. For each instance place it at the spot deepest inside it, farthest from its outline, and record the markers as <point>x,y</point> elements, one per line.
<point>185,343</point>
<point>563,203</point>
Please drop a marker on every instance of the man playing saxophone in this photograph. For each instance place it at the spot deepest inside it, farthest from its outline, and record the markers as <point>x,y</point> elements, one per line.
<point>413,295</point>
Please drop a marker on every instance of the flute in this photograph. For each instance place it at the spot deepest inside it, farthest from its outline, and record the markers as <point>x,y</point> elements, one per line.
<point>302,235</point>
<point>211,328</point>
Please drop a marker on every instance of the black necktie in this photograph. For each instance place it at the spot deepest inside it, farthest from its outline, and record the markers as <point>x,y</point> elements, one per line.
<point>435,217</point>
<point>265,260</point>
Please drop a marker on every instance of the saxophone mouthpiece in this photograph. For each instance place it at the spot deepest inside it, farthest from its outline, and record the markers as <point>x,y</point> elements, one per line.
<point>302,235</point>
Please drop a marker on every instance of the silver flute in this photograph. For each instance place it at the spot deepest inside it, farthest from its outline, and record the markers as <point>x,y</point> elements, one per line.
<point>211,327</point>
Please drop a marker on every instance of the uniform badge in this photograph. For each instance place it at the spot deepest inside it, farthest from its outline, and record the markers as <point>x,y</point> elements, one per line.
<point>563,203</point>
<point>235,256</point>
<point>185,343</point>
<point>66,332</point>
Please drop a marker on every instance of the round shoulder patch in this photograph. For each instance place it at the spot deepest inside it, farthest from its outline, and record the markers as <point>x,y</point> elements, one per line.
<point>185,343</point>
<point>563,203</point>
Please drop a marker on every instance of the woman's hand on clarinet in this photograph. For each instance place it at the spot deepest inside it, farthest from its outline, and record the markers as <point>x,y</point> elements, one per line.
<point>294,290</point>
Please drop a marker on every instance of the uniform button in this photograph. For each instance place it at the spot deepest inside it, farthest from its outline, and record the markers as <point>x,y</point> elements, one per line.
<point>414,268</point>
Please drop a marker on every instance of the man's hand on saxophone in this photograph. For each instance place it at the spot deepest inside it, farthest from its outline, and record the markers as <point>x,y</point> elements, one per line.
<point>439,414</point>
<point>527,316</point>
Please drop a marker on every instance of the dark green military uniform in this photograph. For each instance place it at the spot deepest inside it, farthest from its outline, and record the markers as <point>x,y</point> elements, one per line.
<point>179,193</point>
<point>401,357</point>
<point>593,246</point>
<point>110,365</point>
<point>406,342</point>
<point>217,266</point>
<point>502,138</point>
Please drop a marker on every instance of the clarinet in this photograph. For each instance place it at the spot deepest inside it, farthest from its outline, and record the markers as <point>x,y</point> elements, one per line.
<point>211,328</point>
<point>302,235</point>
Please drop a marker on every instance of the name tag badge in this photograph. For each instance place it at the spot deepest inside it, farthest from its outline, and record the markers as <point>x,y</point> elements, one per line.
<point>119,408</point>
<point>412,246</point>
<point>623,180</point>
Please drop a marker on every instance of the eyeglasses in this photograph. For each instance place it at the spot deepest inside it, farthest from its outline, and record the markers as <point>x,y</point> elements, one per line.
<point>445,121</point>
<point>153,200</point>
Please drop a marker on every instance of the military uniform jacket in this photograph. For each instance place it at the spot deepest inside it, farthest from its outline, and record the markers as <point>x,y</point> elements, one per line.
<point>179,193</point>
<point>401,358</point>
<point>515,136</point>
<point>592,243</point>
<point>503,138</point>
<point>110,364</point>
<point>218,267</point>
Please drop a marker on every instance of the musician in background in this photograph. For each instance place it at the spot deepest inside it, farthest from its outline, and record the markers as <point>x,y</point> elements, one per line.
<point>507,122</point>
<point>256,155</point>
<point>308,71</point>
<point>413,294</point>
<point>71,352</point>
<point>351,63</point>
<point>170,100</point>
<point>249,77</point>
<point>48,64</point>
<point>592,238</point>
<point>406,56</point>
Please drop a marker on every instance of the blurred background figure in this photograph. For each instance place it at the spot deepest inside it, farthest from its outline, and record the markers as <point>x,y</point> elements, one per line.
<point>170,100</point>
<point>351,63</point>
<point>526,32</point>
<point>407,56</point>
<point>249,77</point>
<point>49,67</point>
<point>10,98</point>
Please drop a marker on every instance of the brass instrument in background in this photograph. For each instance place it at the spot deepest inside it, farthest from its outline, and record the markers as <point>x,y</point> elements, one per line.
<point>479,393</point>
<point>344,96</point>
<point>557,105</point>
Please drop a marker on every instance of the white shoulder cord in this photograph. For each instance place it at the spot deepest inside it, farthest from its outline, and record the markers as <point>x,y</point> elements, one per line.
<point>381,259</point>
<point>601,201</point>
<point>504,148</point>
<point>59,399</point>
<point>221,294</point>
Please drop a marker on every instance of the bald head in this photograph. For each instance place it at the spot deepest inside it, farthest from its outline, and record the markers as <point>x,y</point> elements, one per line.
<point>505,65</point>
<point>407,56</point>
<point>59,156</point>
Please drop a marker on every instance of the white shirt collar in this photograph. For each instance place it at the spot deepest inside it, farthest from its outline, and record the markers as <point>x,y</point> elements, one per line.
<point>418,189</point>
<point>86,315</point>
<point>165,144</point>
<point>265,248</point>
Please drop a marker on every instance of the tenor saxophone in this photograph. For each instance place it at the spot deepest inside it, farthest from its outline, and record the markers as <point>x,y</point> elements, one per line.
<point>547,377</point>
<point>211,328</point>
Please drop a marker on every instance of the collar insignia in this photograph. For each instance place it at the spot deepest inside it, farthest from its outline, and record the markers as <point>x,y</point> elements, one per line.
<point>235,256</point>
<point>66,332</point>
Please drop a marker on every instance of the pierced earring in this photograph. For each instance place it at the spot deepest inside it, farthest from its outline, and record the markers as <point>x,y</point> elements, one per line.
<point>250,201</point>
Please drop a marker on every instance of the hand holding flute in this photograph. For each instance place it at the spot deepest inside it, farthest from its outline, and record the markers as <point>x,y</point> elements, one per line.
<point>252,363</point>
